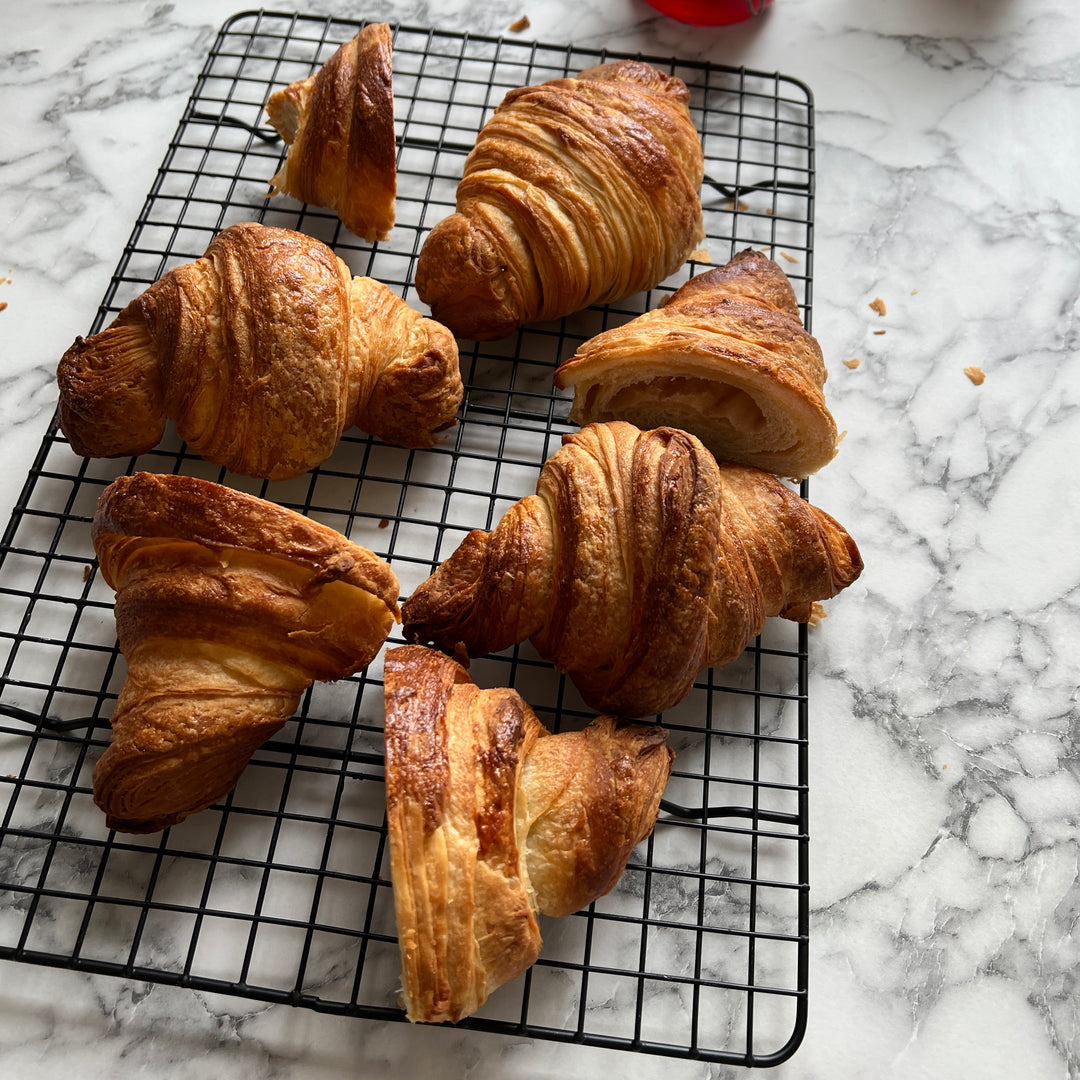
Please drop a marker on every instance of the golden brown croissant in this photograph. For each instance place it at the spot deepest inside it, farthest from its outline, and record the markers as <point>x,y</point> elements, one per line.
<point>578,191</point>
<point>726,358</point>
<point>638,563</point>
<point>263,351</point>
<point>339,125</point>
<point>491,820</point>
<point>228,607</point>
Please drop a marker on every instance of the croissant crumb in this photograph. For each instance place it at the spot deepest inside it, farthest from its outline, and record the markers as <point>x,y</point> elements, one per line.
<point>976,375</point>
<point>878,305</point>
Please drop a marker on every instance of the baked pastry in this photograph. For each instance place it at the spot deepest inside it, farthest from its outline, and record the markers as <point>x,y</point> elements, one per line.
<point>228,607</point>
<point>264,351</point>
<point>492,820</point>
<point>339,127</point>
<point>726,358</point>
<point>638,563</point>
<point>578,191</point>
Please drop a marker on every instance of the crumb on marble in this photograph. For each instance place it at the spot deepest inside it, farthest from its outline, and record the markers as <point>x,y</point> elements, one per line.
<point>790,258</point>
<point>975,374</point>
<point>3,305</point>
<point>520,25</point>
<point>701,255</point>
<point>383,523</point>
<point>878,305</point>
<point>86,572</point>
<point>914,292</point>
<point>736,204</point>
<point>878,333</point>
<point>853,363</point>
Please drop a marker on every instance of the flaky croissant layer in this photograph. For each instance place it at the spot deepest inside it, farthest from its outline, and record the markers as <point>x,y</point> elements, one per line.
<point>228,607</point>
<point>726,358</point>
<point>492,820</point>
<point>339,126</point>
<point>263,352</point>
<point>578,191</point>
<point>638,563</point>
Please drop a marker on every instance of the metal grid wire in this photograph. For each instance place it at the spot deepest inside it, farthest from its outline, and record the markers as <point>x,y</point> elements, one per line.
<point>282,892</point>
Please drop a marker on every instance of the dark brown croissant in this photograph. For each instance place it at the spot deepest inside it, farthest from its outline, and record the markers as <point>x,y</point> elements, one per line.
<point>638,563</point>
<point>726,358</point>
<point>493,820</point>
<point>264,351</point>
<point>339,124</point>
<point>578,191</point>
<point>228,607</point>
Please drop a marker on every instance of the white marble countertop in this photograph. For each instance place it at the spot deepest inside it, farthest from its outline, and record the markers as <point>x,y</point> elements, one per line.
<point>945,786</point>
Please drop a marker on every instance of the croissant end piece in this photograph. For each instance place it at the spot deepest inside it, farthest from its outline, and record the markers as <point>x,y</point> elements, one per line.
<point>491,820</point>
<point>726,358</point>
<point>578,191</point>
<point>263,351</point>
<point>339,126</point>
<point>228,607</point>
<point>638,563</point>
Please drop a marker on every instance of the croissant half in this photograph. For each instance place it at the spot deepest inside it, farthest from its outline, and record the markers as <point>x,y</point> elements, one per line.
<point>578,191</point>
<point>263,351</point>
<point>638,563</point>
<point>339,126</point>
<point>492,820</point>
<point>726,358</point>
<point>228,607</point>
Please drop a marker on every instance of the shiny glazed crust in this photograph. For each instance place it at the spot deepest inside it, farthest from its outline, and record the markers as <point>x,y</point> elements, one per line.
<point>263,352</point>
<point>726,358</point>
<point>578,191</point>
<point>339,126</point>
<point>638,563</point>
<point>491,820</point>
<point>227,608</point>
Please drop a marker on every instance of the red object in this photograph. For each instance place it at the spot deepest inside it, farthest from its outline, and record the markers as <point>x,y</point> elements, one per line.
<point>710,12</point>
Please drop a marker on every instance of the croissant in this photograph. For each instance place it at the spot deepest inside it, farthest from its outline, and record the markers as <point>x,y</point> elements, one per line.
<point>638,563</point>
<point>578,191</point>
<point>491,820</point>
<point>339,126</point>
<point>228,607</point>
<point>263,351</point>
<point>726,358</point>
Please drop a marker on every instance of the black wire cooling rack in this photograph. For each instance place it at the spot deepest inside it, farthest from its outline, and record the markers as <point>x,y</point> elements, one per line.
<point>282,893</point>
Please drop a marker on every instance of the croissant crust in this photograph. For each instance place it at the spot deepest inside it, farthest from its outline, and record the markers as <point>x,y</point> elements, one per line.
<point>638,563</point>
<point>726,358</point>
<point>339,126</point>
<point>578,191</point>
<point>492,820</point>
<point>227,608</point>
<point>263,351</point>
